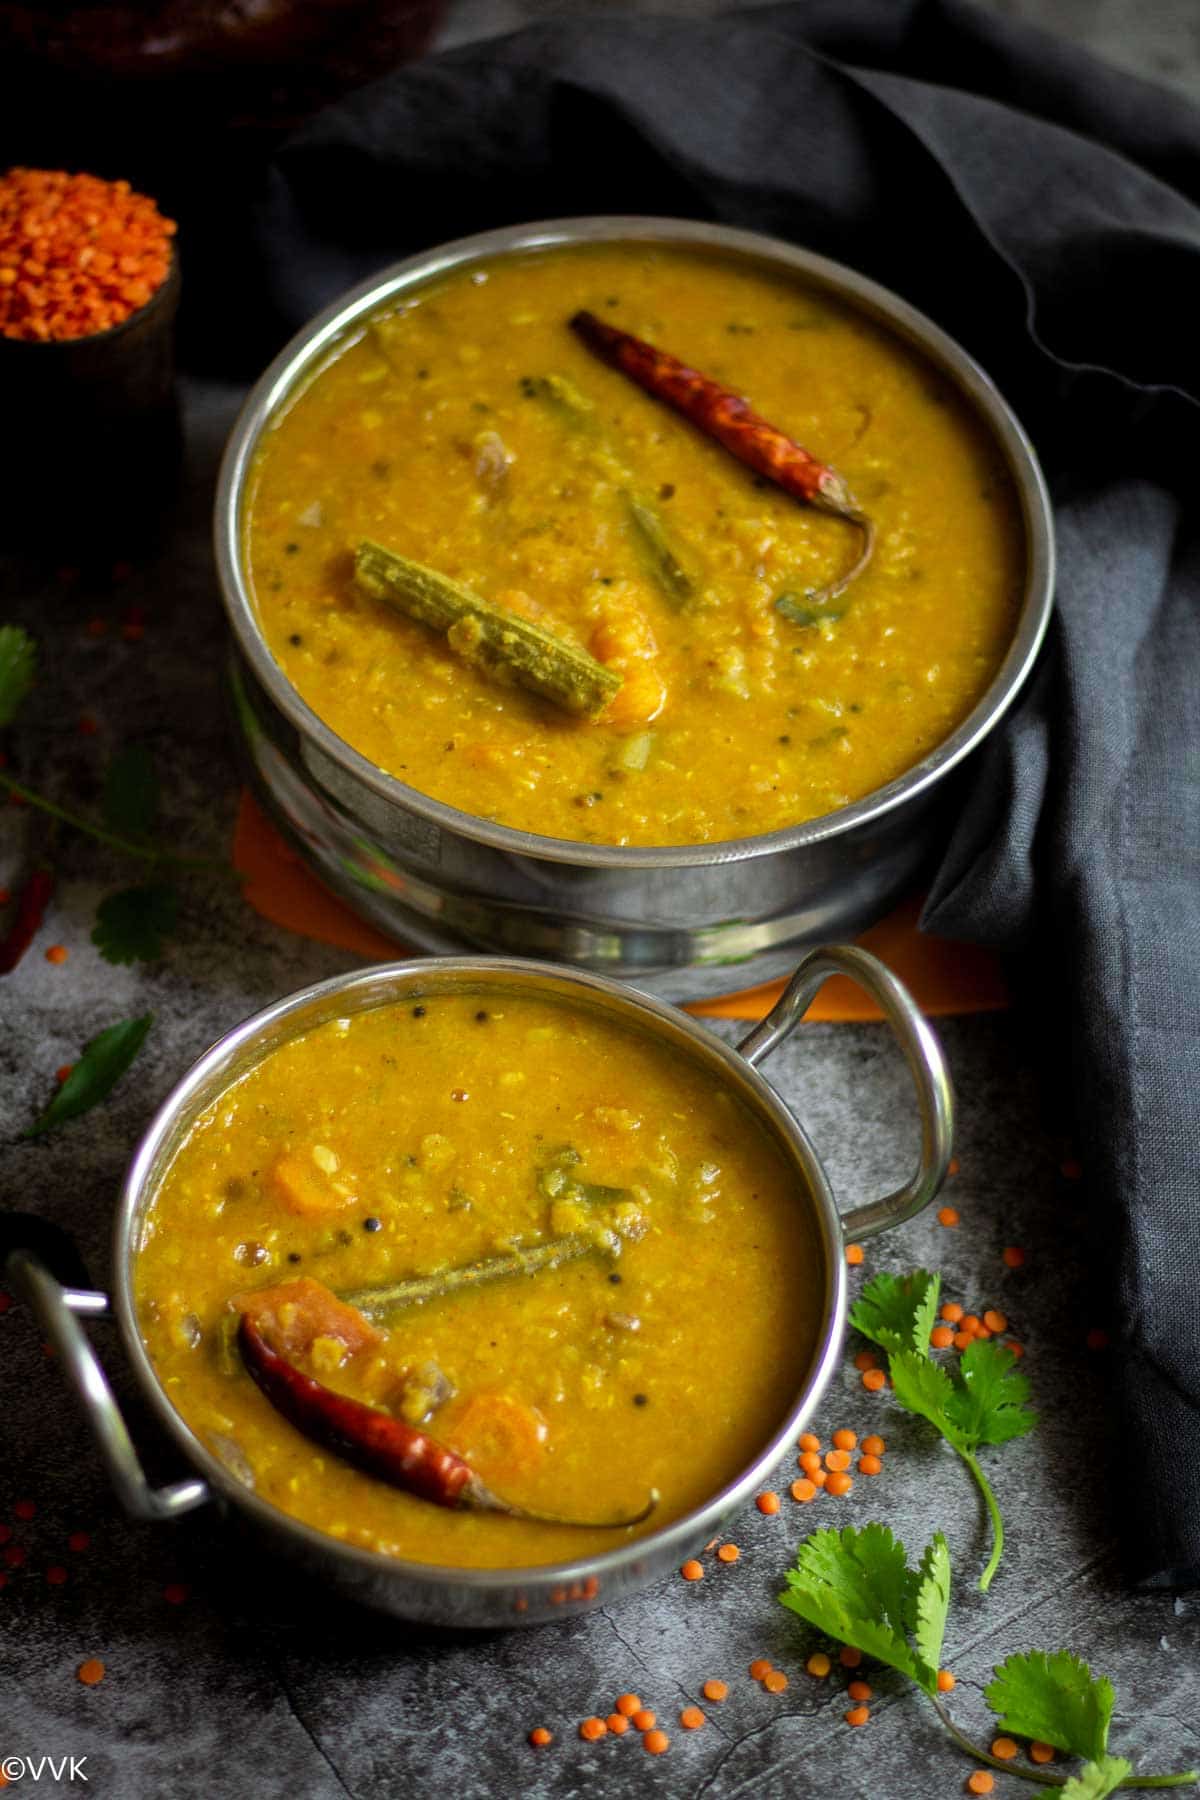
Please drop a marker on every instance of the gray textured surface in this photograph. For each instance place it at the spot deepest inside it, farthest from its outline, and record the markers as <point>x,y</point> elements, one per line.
<point>262,1689</point>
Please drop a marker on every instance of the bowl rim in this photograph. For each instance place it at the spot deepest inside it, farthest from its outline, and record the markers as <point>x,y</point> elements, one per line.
<point>303,354</point>
<point>665,1022</point>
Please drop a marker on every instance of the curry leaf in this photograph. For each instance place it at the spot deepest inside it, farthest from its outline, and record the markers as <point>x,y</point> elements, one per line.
<point>898,1312</point>
<point>131,792</point>
<point>131,925</point>
<point>104,1061</point>
<point>1055,1698</point>
<point>1098,1779</point>
<point>18,667</point>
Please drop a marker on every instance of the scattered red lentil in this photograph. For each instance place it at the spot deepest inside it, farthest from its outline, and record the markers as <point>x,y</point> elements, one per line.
<point>952,1312</point>
<point>97,627</point>
<point>837,1461</point>
<point>946,1682</point>
<point>5,896</point>
<point>728,1553</point>
<point>133,634</point>
<point>819,1477</point>
<point>77,254</point>
<point>60,1074</point>
<point>644,1719</point>
<point>715,1690</point>
<point>1017,1349</point>
<point>767,1503</point>
<point>592,1729</point>
<point>1071,1169</point>
<point>24,1509</point>
<point>809,1441</point>
<point>56,1575</point>
<point>948,1216</point>
<point>175,1593</point>
<point>854,1254</point>
<point>617,1723</point>
<point>776,1682</point>
<point>941,1337</point>
<point>1041,1753</point>
<point>57,953</point>
<point>691,1718</point>
<point>866,1359</point>
<point>760,1668</point>
<point>628,1704</point>
<point>839,1484</point>
<point>995,1321</point>
<point>874,1444</point>
<point>539,1737</point>
<point>15,1557</point>
<point>849,1656</point>
<point>692,1570</point>
<point>858,1715</point>
<point>804,1490</point>
<point>981,1782</point>
<point>1097,1339</point>
<point>5,1533</point>
<point>655,1742</point>
<point>818,1664</point>
<point>1014,1256</point>
<point>88,726</point>
<point>870,1465</point>
<point>845,1440</point>
<point>809,1461</point>
<point>952,1167</point>
<point>859,1690</point>
<point>91,1671</point>
<point>963,1338</point>
<point>1004,1749</point>
<point>873,1380</point>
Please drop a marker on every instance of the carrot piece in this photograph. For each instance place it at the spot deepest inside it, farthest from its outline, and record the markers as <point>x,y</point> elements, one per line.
<point>500,1436</point>
<point>301,1187</point>
<point>295,1313</point>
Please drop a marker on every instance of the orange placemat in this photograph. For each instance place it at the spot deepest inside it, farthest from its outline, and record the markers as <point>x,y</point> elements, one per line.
<point>943,977</point>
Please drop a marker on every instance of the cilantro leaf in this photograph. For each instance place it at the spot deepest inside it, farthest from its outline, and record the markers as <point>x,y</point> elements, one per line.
<point>131,925</point>
<point>131,792</point>
<point>104,1061</point>
<point>923,1386</point>
<point>18,666</point>
<point>898,1312</point>
<point>989,1408</point>
<point>1104,1776</point>
<point>1056,1698</point>
<point>930,1602</point>
<point>856,1586</point>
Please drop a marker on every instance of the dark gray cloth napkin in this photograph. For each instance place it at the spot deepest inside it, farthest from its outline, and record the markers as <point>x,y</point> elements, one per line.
<point>1036,205</point>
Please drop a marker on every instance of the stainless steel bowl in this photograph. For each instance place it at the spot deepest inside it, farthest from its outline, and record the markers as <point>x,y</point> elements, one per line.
<point>488,1597</point>
<point>684,921</point>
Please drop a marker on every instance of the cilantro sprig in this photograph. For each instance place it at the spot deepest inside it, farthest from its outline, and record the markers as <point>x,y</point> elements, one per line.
<point>979,1400</point>
<point>857,1586</point>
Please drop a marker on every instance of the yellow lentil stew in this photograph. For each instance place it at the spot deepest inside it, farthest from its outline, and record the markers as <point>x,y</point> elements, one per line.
<point>470,431</point>
<point>442,1133</point>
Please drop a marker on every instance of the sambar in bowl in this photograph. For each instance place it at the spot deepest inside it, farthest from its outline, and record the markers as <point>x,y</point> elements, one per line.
<point>481,1289</point>
<point>625,592</point>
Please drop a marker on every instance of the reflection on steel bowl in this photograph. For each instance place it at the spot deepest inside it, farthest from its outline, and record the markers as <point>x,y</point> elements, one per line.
<point>223,1469</point>
<point>623,894</point>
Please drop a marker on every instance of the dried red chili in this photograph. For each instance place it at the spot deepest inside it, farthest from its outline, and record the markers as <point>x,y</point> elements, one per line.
<point>720,413</point>
<point>383,1446</point>
<point>32,902</point>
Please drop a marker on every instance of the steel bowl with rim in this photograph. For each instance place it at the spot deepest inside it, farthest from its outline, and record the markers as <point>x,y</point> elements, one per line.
<point>684,921</point>
<point>447,1595</point>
